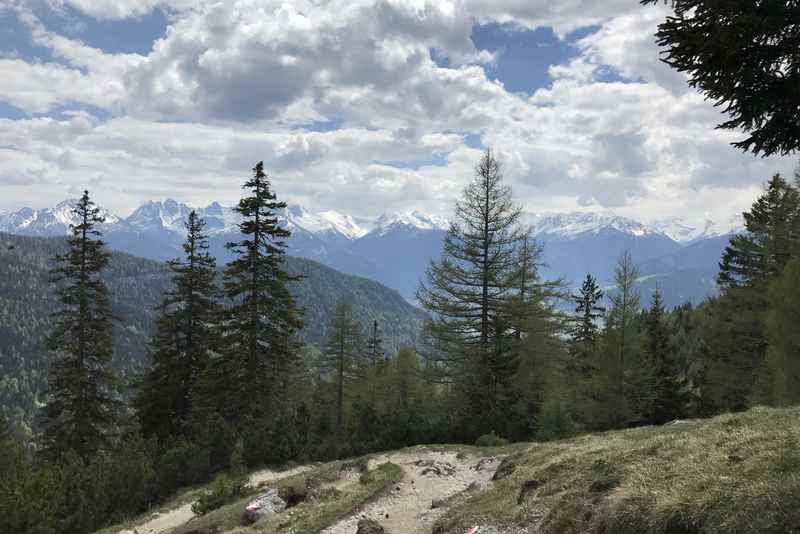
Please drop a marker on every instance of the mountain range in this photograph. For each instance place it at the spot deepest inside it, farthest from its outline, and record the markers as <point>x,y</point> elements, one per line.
<point>678,256</point>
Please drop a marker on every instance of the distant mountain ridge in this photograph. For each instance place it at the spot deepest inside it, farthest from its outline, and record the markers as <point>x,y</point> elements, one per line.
<point>136,286</point>
<point>396,248</point>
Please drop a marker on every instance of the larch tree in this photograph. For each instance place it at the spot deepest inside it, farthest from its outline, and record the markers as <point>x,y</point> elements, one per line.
<point>342,354</point>
<point>261,346</point>
<point>468,289</point>
<point>621,320</point>
<point>82,405</point>
<point>187,335</point>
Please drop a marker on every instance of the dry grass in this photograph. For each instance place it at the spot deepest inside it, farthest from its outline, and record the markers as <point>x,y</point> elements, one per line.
<point>734,473</point>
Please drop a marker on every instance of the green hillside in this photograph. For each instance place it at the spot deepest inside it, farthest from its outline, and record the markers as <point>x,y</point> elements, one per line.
<point>734,473</point>
<point>136,286</point>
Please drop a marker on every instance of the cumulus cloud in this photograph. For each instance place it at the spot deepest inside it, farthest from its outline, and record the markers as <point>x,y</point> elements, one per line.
<point>237,81</point>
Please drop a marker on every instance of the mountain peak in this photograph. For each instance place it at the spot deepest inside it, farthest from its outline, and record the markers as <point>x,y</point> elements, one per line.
<point>410,219</point>
<point>573,224</point>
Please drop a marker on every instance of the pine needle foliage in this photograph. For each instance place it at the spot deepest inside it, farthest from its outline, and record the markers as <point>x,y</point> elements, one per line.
<point>260,329</point>
<point>187,334</point>
<point>81,411</point>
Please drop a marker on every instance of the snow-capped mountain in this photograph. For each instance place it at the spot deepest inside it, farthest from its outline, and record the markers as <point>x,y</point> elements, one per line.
<point>396,248</point>
<point>409,220</point>
<point>326,222</point>
<point>684,231</point>
<point>167,215</point>
<point>574,224</point>
<point>48,221</point>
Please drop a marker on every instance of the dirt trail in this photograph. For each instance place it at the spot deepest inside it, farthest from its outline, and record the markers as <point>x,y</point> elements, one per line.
<point>428,477</point>
<point>164,522</point>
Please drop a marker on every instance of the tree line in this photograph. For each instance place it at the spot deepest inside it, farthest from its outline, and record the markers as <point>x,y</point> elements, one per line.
<point>230,386</point>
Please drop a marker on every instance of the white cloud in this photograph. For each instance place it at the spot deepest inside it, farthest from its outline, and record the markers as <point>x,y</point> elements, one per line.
<point>231,82</point>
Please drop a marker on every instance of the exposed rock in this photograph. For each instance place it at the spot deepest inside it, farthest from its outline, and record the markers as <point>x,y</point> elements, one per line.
<point>267,503</point>
<point>484,463</point>
<point>507,466</point>
<point>437,503</point>
<point>478,485</point>
<point>434,467</point>
<point>369,526</point>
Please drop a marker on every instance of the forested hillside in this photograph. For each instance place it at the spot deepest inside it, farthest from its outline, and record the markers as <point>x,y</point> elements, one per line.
<point>136,286</point>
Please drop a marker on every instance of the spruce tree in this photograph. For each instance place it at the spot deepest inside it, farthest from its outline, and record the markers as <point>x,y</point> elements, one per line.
<point>375,345</point>
<point>583,335</point>
<point>770,240</point>
<point>734,326</point>
<point>783,336</point>
<point>669,397</point>
<point>187,333</point>
<point>743,57</point>
<point>342,354</point>
<point>261,325</point>
<point>468,289</point>
<point>81,411</point>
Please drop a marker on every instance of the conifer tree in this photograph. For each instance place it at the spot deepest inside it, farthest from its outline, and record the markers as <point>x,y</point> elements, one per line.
<point>467,291</point>
<point>260,327</point>
<point>375,345</point>
<point>772,237</point>
<point>81,412</point>
<point>625,307</point>
<point>187,331</point>
<point>734,323</point>
<point>783,336</point>
<point>669,398</point>
<point>342,354</point>
<point>585,330</point>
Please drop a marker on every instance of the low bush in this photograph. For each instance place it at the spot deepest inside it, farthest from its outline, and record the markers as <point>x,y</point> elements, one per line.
<point>491,440</point>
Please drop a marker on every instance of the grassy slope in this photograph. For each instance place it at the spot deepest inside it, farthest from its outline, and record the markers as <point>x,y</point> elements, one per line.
<point>734,473</point>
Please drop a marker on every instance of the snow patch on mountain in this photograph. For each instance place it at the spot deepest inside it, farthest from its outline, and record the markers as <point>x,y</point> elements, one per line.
<point>48,221</point>
<point>686,231</point>
<point>411,219</point>
<point>574,224</point>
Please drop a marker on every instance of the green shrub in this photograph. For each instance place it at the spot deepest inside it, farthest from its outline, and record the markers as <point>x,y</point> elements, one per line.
<point>184,463</point>
<point>223,489</point>
<point>555,421</point>
<point>491,440</point>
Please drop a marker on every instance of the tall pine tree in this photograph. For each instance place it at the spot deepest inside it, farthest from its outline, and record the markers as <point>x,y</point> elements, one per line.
<point>260,330</point>
<point>81,411</point>
<point>187,333</point>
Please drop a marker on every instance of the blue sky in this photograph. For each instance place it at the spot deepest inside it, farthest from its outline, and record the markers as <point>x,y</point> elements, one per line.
<point>361,106</point>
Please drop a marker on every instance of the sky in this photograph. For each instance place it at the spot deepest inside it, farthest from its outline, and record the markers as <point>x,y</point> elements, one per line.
<point>359,106</point>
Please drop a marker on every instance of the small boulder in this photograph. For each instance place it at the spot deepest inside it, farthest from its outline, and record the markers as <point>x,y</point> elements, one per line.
<point>478,485</point>
<point>369,526</point>
<point>437,503</point>
<point>507,466</point>
<point>484,463</point>
<point>269,502</point>
<point>433,467</point>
